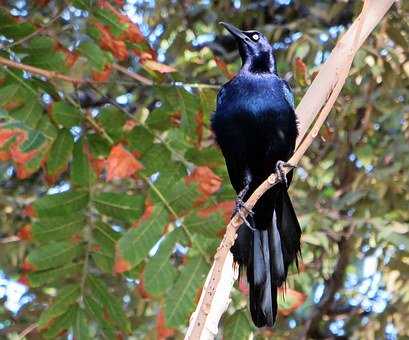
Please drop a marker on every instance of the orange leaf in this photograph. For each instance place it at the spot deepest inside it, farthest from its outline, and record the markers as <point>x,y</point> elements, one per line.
<point>295,298</point>
<point>223,67</point>
<point>25,233</point>
<point>29,211</point>
<point>121,163</point>
<point>162,332</point>
<point>103,75</point>
<point>141,289</point>
<point>129,125</point>
<point>23,279</point>
<point>146,214</point>
<point>4,156</point>
<point>208,181</point>
<point>225,207</point>
<point>156,66</point>
<point>27,266</point>
<point>243,285</point>
<point>119,50</point>
<point>300,72</point>
<point>121,265</point>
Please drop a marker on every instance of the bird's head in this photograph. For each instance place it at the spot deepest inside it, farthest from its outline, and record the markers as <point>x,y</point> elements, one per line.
<point>255,50</point>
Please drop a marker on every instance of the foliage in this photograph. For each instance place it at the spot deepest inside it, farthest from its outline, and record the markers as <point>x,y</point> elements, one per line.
<point>114,196</point>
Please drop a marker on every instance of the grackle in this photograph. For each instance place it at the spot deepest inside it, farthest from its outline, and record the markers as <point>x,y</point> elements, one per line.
<point>256,128</point>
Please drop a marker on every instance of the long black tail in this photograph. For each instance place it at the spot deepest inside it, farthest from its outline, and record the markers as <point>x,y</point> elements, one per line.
<point>268,251</point>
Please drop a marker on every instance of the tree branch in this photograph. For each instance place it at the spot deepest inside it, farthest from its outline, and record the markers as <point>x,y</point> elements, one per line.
<point>323,92</point>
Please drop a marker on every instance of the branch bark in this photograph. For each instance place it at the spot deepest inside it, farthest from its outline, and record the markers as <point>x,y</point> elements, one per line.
<point>322,93</point>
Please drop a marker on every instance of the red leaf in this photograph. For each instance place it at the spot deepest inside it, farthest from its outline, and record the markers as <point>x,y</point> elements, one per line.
<point>4,156</point>
<point>6,135</point>
<point>225,207</point>
<point>27,266</point>
<point>141,289</point>
<point>162,332</point>
<point>121,265</point>
<point>103,75</point>
<point>223,67</point>
<point>23,279</point>
<point>294,297</point>
<point>29,211</point>
<point>243,285</point>
<point>121,163</point>
<point>208,181</point>
<point>146,214</point>
<point>70,57</point>
<point>156,66</point>
<point>25,233</point>
<point>300,70</point>
<point>120,51</point>
<point>129,125</point>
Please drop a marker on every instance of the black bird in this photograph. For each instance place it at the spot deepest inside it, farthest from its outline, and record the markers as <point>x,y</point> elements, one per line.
<point>256,128</point>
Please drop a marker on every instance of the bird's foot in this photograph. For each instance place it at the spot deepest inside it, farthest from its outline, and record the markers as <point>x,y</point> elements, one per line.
<point>280,171</point>
<point>240,205</point>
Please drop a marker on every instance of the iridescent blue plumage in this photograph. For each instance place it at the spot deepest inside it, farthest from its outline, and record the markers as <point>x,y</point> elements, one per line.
<point>256,128</point>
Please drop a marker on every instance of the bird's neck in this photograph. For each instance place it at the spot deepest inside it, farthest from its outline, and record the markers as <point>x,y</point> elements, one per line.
<point>264,62</point>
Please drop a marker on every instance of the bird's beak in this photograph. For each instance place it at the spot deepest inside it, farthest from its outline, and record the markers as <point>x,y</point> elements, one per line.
<point>234,31</point>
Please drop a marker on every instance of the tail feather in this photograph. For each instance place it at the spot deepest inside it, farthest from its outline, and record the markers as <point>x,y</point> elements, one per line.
<point>267,252</point>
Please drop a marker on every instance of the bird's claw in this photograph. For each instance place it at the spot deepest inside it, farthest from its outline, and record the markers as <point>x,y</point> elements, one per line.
<point>238,210</point>
<point>280,172</point>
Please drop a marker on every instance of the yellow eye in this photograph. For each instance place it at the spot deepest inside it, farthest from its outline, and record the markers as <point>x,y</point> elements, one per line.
<point>255,37</point>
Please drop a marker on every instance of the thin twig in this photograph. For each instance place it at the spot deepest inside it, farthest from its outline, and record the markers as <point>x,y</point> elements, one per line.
<point>27,331</point>
<point>133,75</point>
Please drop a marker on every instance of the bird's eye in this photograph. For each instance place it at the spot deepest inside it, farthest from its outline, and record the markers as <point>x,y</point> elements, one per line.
<point>255,37</point>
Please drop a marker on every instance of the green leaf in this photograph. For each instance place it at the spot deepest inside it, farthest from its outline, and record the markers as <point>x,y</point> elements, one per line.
<point>95,309</point>
<point>180,196</point>
<point>179,302</point>
<point>108,18</point>
<point>47,277</point>
<point>61,204</point>
<point>156,159</point>
<point>105,240</point>
<point>237,326</point>
<point>66,297</point>
<point>98,146</point>
<point>57,228</point>
<point>12,93</point>
<point>208,226</point>
<point>11,28</point>
<point>112,305</point>
<point>60,153</point>
<point>66,114</point>
<point>80,327</point>
<point>48,60</point>
<point>82,175</point>
<point>112,120</point>
<point>53,255</point>
<point>159,271</point>
<point>30,114</point>
<point>121,206</point>
<point>134,246</point>
<point>94,54</point>
<point>139,139</point>
<point>59,324</point>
